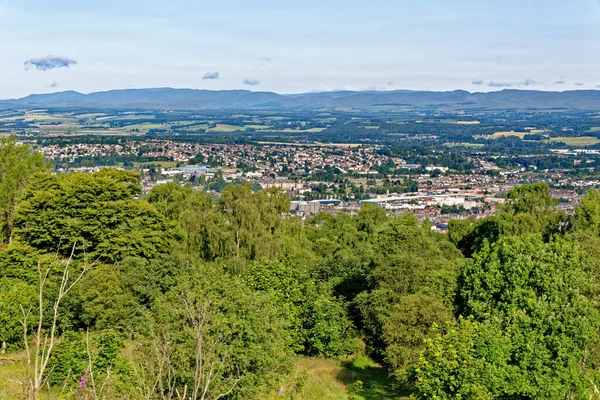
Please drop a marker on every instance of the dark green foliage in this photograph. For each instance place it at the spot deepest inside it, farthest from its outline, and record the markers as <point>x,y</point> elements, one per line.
<point>13,293</point>
<point>17,166</point>
<point>411,286</point>
<point>95,212</point>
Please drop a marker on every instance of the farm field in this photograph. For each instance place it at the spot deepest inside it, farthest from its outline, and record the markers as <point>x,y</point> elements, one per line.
<point>520,135</point>
<point>577,141</point>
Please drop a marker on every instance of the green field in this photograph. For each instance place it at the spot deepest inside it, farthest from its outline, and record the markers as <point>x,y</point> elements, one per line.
<point>577,141</point>
<point>226,128</point>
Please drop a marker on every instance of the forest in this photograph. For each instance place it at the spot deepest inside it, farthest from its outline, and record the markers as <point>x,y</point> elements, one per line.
<point>107,293</point>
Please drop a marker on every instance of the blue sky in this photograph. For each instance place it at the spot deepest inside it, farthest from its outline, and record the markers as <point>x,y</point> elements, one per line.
<point>300,46</point>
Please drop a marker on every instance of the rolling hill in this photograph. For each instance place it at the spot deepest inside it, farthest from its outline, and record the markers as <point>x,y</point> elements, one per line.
<point>193,99</point>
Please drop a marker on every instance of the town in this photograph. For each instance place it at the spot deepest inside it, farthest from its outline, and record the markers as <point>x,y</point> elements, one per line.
<point>331,178</point>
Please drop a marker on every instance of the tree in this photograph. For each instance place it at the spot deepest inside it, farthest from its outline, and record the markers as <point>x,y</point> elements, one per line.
<point>413,268</point>
<point>17,166</point>
<point>587,215</point>
<point>98,211</point>
<point>12,293</point>
<point>211,337</point>
<point>468,360</point>
<point>319,323</point>
<point>533,291</point>
<point>44,341</point>
<point>169,199</point>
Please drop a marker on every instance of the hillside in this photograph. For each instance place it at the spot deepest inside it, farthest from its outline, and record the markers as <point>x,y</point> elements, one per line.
<point>192,99</point>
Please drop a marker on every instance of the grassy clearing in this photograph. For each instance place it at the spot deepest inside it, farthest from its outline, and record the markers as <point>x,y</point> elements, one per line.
<point>467,122</point>
<point>577,141</point>
<point>12,370</point>
<point>594,129</point>
<point>314,378</point>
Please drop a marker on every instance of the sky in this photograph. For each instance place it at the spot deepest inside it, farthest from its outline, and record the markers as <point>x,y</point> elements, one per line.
<point>298,46</point>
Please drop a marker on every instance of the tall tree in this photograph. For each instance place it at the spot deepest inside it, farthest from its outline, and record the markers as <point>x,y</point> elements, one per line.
<point>533,291</point>
<point>17,166</point>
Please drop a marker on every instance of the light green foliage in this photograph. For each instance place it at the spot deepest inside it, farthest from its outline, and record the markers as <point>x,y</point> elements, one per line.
<point>532,291</point>
<point>587,215</point>
<point>534,199</point>
<point>237,333</point>
<point>169,199</point>
<point>469,361</point>
<point>242,223</point>
<point>218,294</point>
<point>254,219</point>
<point>17,166</point>
<point>529,209</point>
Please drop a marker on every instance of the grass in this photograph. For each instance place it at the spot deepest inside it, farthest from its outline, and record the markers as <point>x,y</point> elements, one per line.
<point>577,141</point>
<point>257,127</point>
<point>310,379</point>
<point>12,369</point>
<point>594,129</point>
<point>316,378</point>
<point>226,128</point>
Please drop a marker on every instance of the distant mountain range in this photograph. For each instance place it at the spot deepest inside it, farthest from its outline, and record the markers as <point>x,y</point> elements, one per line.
<point>192,99</point>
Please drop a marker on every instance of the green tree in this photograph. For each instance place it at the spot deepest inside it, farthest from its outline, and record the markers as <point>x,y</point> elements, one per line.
<point>533,291</point>
<point>468,361</point>
<point>411,289</point>
<point>214,336</point>
<point>17,166</point>
<point>97,211</point>
<point>13,294</point>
